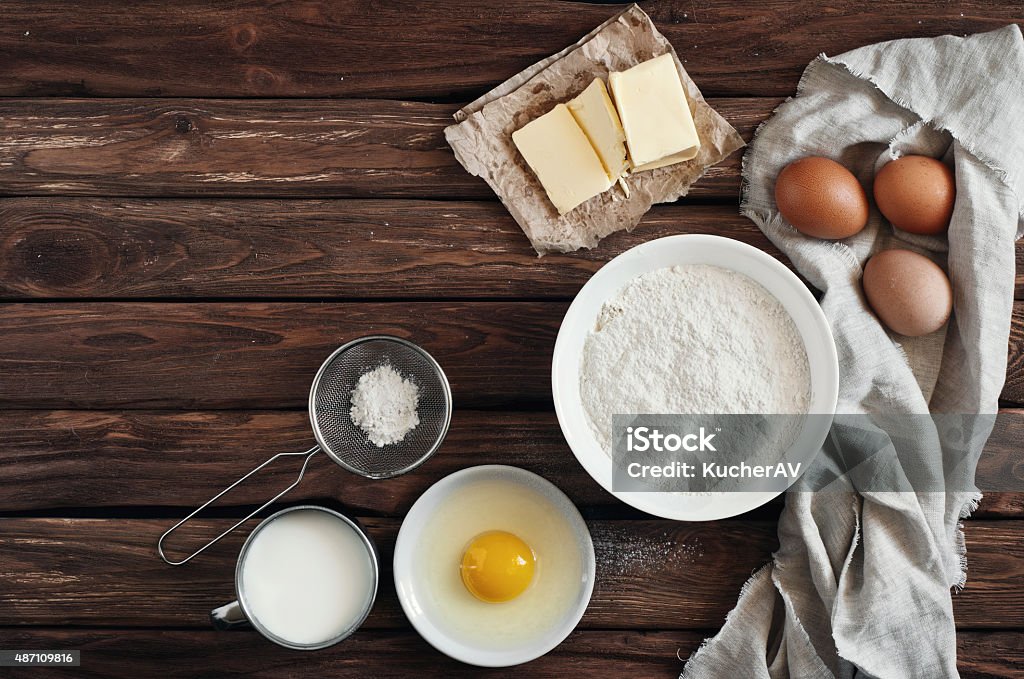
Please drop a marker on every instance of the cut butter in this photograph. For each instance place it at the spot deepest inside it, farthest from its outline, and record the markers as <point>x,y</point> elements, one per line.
<point>559,153</point>
<point>596,115</point>
<point>688,154</point>
<point>655,114</point>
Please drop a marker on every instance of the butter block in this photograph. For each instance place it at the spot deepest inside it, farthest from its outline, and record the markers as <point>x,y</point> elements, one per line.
<point>596,116</point>
<point>559,153</point>
<point>655,114</point>
<point>668,160</point>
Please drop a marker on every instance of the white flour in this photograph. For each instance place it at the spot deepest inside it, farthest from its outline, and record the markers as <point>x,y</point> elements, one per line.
<point>384,405</point>
<point>692,339</point>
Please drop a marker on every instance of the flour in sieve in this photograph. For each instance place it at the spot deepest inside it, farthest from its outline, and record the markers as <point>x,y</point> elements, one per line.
<point>692,339</point>
<point>384,405</point>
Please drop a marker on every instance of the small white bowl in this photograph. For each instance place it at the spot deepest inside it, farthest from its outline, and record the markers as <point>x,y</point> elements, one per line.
<point>673,251</point>
<point>406,563</point>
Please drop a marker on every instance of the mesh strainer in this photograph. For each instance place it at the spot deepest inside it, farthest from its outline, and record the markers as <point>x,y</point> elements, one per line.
<point>330,400</point>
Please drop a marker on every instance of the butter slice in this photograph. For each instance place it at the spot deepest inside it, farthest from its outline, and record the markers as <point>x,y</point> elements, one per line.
<point>559,153</point>
<point>596,115</point>
<point>688,154</point>
<point>655,114</point>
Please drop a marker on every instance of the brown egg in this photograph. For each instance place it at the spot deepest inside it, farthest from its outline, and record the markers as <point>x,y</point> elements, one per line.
<point>821,198</point>
<point>916,194</point>
<point>909,292</point>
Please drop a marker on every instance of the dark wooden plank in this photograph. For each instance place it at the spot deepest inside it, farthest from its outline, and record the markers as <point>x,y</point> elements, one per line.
<point>651,574</point>
<point>264,355</point>
<point>260,355</point>
<point>1001,504</point>
<point>398,654</point>
<point>207,450</point>
<point>105,571</point>
<point>218,147</point>
<point>346,48</point>
<point>1013,387</point>
<point>259,148</point>
<point>118,248</point>
<point>170,248</point>
<point>989,655</point>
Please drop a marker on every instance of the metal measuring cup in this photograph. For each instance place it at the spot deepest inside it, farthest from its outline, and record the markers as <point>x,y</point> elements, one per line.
<point>343,441</point>
<point>238,613</point>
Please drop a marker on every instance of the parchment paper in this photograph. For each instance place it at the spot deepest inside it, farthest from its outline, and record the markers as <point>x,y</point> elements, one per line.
<point>482,140</point>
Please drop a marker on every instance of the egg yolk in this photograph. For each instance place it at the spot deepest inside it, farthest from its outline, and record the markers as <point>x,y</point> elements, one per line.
<point>497,566</point>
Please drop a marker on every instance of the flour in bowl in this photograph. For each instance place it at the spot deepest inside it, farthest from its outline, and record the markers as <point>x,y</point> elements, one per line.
<point>692,339</point>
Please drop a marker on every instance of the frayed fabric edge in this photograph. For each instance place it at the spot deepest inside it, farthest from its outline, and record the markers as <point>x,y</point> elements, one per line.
<point>769,223</point>
<point>1002,174</point>
<point>744,591</point>
<point>960,541</point>
<point>744,180</point>
<point>858,507</point>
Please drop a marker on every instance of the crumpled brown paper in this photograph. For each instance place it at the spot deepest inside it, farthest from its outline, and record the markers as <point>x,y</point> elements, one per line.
<point>482,140</point>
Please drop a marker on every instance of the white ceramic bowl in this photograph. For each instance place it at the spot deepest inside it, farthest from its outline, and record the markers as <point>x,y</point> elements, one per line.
<point>672,251</point>
<point>406,563</point>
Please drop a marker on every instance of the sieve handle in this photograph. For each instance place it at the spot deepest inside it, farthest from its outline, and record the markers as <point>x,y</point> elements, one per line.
<point>160,543</point>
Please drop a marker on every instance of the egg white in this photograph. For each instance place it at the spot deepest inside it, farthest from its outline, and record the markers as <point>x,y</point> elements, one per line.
<point>498,505</point>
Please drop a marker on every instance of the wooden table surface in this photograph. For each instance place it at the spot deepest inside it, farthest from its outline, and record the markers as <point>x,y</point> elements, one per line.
<point>201,200</point>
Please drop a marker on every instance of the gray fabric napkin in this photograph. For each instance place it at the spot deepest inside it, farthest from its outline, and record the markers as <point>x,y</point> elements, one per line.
<point>860,585</point>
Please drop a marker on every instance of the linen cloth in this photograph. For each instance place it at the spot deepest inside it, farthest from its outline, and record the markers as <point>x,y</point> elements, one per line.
<point>861,583</point>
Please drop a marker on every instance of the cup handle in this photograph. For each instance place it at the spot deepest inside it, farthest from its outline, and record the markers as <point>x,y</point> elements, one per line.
<point>228,616</point>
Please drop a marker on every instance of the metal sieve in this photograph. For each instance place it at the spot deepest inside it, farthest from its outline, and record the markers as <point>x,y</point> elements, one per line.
<point>330,400</point>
